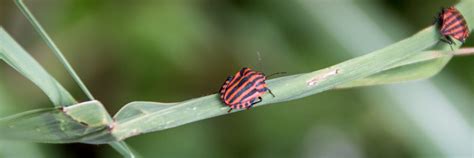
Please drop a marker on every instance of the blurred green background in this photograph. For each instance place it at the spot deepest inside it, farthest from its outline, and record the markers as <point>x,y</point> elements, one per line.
<point>174,50</point>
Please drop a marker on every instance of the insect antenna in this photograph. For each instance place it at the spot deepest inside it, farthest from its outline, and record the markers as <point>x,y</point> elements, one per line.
<point>449,41</point>
<point>39,29</point>
<point>261,67</point>
<point>276,73</point>
<point>259,59</point>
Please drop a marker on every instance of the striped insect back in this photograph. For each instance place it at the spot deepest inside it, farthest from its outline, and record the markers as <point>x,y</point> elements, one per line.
<point>452,25</point>
<point>244,89</point>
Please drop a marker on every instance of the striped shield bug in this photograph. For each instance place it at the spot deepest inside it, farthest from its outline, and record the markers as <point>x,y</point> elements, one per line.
<point>452,25</point>
<point>244,89</point>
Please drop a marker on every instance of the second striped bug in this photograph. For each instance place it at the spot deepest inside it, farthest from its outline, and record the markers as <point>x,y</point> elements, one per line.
<point>452,24</point>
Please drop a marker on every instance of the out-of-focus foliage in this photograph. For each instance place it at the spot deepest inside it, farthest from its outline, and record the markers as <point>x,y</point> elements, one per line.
<point>176,50</point>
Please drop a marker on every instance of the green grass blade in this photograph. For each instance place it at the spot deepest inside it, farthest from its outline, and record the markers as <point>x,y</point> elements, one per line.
<point>15,56</point>
<point>141,117</point>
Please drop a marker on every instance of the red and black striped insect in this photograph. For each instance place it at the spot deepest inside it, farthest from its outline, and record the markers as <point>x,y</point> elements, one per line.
<point>452,25</point>
<point>244,89</point>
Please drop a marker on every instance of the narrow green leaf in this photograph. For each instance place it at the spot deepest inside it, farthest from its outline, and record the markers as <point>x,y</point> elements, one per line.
<point>142,117</point>
<point>15,56</point>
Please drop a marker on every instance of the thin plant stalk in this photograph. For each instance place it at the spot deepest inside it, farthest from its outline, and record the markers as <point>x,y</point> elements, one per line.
<point>52,45</point>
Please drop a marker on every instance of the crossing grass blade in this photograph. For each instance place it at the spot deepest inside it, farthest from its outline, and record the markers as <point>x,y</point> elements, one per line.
<point>15,56</point>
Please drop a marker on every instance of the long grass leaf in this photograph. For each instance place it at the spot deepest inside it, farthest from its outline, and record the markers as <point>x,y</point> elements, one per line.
<point>138,118</point>
<point>15,56</point>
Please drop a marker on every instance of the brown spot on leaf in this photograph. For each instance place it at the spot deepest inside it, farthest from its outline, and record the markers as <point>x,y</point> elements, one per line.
<point>321,77</point>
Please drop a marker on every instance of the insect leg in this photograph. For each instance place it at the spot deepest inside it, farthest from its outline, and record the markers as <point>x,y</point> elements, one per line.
<point>447,39</point>
<point>436,20</point>
<point>450,41</point>
<point>276,73</point>
<point>251,105</point>
<point>270,91</point>
<point>235,106</point>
